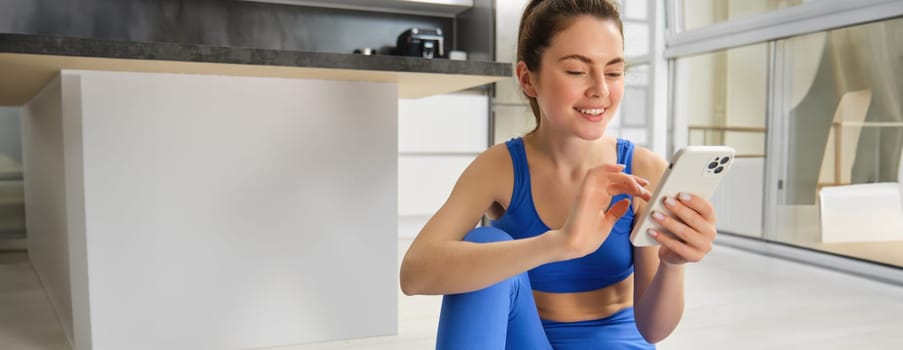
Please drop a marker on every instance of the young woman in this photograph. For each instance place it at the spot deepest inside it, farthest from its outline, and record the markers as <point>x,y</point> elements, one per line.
<point>555,269</point>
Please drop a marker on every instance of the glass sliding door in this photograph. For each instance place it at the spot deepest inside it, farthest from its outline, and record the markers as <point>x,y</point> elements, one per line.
<point>839,107</point>
<point>720,99</point>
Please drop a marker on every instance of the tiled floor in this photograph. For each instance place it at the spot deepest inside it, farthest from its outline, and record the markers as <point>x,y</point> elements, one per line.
<point>735,300</point>
<point>27,321</point>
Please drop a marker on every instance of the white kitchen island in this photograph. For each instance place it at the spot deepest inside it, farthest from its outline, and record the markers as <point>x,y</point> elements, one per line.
<point>204,203</point>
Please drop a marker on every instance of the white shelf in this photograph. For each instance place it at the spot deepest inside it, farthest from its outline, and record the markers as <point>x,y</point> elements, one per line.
<point>438,8</point>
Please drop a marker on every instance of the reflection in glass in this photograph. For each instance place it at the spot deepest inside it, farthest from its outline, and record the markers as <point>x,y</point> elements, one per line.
<point>724,104</point>
<point>843,106</point>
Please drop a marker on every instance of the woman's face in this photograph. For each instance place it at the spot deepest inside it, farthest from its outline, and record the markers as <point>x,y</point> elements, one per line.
<point>581,78</point>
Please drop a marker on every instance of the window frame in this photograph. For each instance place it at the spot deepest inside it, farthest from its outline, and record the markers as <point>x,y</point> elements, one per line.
<point>814,16</point>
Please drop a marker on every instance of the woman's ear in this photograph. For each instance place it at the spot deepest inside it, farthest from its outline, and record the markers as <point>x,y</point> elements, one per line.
<point>525,78</point>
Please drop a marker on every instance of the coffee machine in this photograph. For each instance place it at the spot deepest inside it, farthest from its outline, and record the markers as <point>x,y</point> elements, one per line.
<point>419,42</point>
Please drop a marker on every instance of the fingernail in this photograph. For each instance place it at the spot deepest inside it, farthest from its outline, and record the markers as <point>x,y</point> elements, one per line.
<point>684,197</point>
<point>670,202</point>
<point>651,232</point>
<point>658,216</point>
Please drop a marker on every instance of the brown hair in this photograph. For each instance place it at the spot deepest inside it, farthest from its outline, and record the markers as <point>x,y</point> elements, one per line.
<point>542,19</point>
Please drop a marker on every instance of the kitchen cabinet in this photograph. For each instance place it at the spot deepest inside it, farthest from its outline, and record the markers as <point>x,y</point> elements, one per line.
<point>204,197</point>
<point>440,8</point>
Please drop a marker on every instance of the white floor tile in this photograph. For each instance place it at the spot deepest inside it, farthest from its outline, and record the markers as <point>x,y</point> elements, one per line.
<point>27,321</point>
<point>735,300</point>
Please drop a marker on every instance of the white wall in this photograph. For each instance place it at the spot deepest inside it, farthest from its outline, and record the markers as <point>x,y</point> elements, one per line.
<point>738,199</point>
<point>510,110</point>
<point>45,198</point>
<point>438,138</point>
<point>231,213</point>
<point>507,20</point>
<point>444,123</point>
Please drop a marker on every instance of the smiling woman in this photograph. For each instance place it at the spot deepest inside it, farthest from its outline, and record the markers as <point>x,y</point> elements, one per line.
<point>587,78</point>
<point>599,67</point>
<point>555,268</point>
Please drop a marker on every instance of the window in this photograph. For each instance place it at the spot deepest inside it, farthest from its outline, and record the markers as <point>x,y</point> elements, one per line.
<point>700,13</point>
<point>721,97</point>
<point>841,108</point>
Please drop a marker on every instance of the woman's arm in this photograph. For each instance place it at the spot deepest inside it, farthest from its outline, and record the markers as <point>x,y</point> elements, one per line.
<point>439,262</point>
<point>660,300</point>
<point>659,289</point>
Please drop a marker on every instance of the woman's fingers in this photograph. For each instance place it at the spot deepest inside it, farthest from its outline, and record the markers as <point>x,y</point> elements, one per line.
<point>612,179</point>
<point>676,247</point>
<point>629,184</point>
<point>641,180</point>
<point>615,213</point>
<point>679,229</point>
<point>692,228</point>
<point>699,205</point>
<point>613,168</point>
<point>701,223</point>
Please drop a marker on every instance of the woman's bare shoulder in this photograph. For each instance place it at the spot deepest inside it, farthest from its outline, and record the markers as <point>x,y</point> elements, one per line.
<point>490,172</point>
<point>497,153</point>
<point>493,163</point>
<point>648,164</point>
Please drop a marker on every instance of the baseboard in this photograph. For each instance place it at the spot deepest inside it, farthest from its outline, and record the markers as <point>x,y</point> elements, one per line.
<point>854,266</point>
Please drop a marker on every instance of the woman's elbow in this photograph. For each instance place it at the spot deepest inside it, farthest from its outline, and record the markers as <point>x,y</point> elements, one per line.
<point>650,334</point>
<point>408,280</point>
<point>653,338</point>
<point>406,286</point>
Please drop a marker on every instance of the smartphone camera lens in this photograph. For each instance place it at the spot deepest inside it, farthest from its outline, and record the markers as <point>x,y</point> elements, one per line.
<point>712,165</point>
<point>725,160</point>
<point>719,169</point>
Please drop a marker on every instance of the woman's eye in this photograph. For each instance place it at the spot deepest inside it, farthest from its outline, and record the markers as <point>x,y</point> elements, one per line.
<point>574,72</point>
<point>614,74</point>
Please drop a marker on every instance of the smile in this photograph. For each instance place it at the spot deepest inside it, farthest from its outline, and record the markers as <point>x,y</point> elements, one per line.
<point>591,111</point>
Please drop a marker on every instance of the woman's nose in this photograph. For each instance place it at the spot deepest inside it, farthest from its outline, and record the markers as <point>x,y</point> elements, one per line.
<point>598,88</point>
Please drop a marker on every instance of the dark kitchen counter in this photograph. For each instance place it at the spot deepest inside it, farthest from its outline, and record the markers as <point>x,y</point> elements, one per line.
<point>28,62</point>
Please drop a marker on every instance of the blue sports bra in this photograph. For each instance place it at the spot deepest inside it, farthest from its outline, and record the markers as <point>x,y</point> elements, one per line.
<point>611,263</point>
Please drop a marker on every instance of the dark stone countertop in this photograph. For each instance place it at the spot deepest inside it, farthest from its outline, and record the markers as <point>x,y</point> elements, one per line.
<point>98,48</point>
<point>28,62</point>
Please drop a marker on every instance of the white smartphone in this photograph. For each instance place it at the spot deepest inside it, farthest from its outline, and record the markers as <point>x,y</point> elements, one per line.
<point>694,169</point>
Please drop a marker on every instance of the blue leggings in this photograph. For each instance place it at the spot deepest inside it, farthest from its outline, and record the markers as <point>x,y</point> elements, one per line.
<point>504,316</point>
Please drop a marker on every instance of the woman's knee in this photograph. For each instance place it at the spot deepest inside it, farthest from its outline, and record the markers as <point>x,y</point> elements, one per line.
<point>487,234</point>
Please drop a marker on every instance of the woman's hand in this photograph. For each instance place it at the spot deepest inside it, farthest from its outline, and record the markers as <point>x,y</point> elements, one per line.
<point>589,223</point>
<point>692,230</point>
